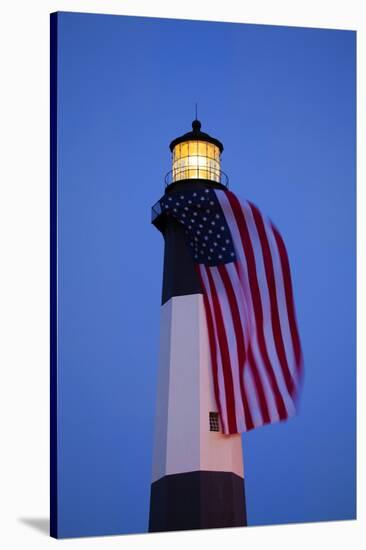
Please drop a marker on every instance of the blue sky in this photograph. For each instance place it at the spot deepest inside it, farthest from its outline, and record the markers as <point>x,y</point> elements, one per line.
<point>282,100</point>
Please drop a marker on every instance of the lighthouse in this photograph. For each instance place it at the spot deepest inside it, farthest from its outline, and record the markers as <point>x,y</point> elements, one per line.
<point>197,471</point>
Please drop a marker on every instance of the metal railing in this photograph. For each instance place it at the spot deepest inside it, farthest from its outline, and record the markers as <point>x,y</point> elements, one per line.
<point>189,172</point>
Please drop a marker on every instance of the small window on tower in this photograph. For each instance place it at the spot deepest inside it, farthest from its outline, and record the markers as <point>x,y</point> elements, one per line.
<point>214,422</point>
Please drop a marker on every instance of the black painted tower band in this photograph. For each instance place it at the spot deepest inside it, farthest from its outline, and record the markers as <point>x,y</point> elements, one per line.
<point>179,275</point>
<point>198,499</point>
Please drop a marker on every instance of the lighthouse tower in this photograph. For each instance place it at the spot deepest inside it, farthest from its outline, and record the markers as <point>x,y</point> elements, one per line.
<point>197,475</point>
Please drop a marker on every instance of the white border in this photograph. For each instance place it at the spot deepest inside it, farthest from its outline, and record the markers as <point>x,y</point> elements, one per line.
<point>24,304</point>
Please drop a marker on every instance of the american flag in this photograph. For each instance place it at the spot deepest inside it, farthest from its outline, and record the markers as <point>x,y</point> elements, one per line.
<point>243,266</point>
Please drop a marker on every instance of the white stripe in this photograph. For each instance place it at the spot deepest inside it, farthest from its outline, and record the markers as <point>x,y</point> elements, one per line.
<point>281,302</point>
<point>266,307</point>
<point>232,345</point>
<point>220,376</point>
<point>267,388</point>
<point>240,300</point>
<point>230,218</point>
<point>248,382</point>
<point>235,234</point>
<point>251,393</point>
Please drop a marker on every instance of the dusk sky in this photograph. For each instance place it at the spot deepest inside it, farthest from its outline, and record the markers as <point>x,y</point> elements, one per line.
<point>282,101</point>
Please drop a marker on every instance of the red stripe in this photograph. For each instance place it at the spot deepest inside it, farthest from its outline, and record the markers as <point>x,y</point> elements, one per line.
<point>286,274</point>
<point>271,284</point>
<point>259,387</point>
<point>239,336</point>
<point>225,356</point>
<point>255,292</point>
<point>212,343</point>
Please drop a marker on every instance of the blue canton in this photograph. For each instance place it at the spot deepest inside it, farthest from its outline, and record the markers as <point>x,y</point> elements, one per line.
<point>207,232</point>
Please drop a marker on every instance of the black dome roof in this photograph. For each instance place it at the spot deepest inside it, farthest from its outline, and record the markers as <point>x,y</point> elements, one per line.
<point>195,135</point>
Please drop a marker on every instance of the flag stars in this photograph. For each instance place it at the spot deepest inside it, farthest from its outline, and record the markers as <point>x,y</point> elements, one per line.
<point>208,236</point>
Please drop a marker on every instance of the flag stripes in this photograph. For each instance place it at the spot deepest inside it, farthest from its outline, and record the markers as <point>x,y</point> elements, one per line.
<point>254,341</point>
<point>242,263</point>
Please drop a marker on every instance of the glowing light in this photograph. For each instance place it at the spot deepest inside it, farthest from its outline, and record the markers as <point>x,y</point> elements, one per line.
<point>196,159</point>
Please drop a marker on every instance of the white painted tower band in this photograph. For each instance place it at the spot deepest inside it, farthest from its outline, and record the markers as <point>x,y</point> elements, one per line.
<point>185,397</point>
